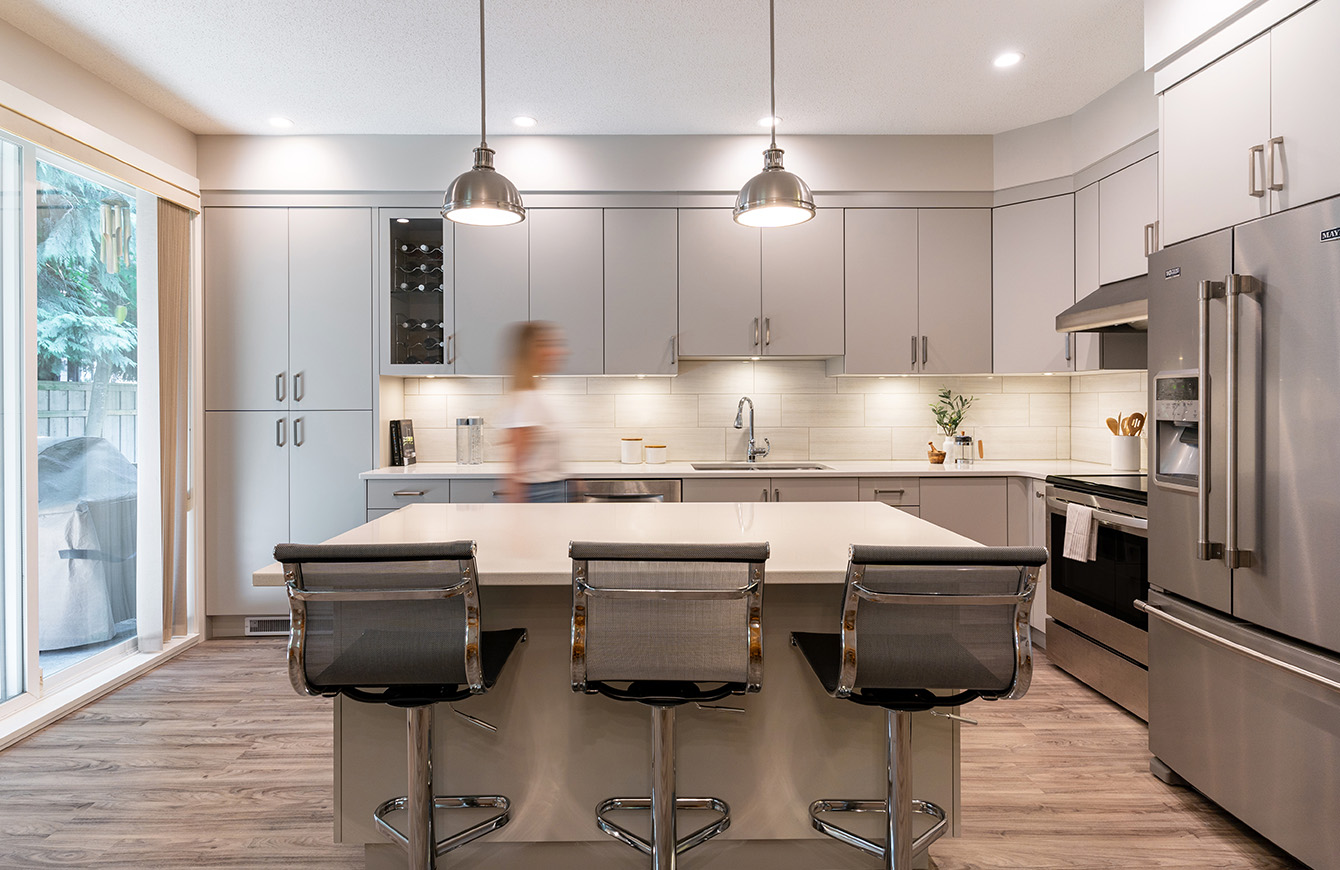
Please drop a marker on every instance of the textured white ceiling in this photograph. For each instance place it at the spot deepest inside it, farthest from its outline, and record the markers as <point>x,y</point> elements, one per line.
<point>597,66</point>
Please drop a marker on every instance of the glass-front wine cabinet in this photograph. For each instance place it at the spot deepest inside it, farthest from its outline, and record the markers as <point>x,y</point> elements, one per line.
<point>416,292</point>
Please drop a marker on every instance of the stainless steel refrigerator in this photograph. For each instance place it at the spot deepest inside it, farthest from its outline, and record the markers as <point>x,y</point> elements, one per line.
<point>1244,524</point>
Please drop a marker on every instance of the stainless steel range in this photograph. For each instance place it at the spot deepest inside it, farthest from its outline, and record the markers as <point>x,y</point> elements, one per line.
<point>1094,631</point>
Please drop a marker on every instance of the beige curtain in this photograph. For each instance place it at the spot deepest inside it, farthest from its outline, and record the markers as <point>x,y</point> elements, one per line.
<point>174,348</point>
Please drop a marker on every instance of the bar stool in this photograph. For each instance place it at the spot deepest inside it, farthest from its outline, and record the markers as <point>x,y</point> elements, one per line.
<point>918,622</point>
<point>398,624</point>
<point>666,625</point>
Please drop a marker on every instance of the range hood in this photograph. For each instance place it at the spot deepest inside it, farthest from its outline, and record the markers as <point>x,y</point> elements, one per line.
<point>1122,306</point>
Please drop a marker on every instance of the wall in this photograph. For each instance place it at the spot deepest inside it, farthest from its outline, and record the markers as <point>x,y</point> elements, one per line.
<point>1094,398</point>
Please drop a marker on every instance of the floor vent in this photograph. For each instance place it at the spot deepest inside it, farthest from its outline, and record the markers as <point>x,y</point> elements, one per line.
<point>265,626</point>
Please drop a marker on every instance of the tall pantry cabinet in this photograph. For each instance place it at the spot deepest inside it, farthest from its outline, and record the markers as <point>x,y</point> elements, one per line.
<point>288,388</point>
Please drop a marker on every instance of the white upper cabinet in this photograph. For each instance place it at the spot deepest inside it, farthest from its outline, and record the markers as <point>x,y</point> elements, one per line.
<point>1304,66</point>
<point>492,293</point>
<point>641,291</point>
<point>954,295</point>
<point>719,285</point>
<point>883,335</point>
<point>246,309</point>
<point>802,287</point>
<point>1214,130</point>
<point>1127,211</point>
<point>1086,345</point>
<point>567,284</point>
<point>1033,254</point>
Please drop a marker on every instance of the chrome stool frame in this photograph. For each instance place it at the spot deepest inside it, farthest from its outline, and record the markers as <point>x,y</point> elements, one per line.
<point>835,659</point>
<point>484,654</point>
<point>664,692</point>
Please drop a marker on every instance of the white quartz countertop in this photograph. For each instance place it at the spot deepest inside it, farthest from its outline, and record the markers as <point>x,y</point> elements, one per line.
<point>527,544</point>
<point>612,470</point>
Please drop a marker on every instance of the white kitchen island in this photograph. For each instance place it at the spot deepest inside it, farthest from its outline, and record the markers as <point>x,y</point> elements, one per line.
<point>557,753</point>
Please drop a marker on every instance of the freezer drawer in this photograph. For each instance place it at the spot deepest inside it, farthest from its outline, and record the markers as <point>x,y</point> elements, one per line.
<point>1259,740</point>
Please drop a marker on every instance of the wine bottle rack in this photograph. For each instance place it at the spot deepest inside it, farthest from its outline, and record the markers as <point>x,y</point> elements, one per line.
<point>418,289</point>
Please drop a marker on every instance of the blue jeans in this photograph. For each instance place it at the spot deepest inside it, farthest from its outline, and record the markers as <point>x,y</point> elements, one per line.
<point>549,492</point>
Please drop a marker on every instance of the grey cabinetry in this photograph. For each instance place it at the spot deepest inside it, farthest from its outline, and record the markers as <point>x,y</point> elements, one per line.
<point>1087,348</point>
<point>719,285</point>
<point>802,287</point>
<point>1127,216</point>
<point>328,450</point>
<point>975,507</point>
<point>1033,254</point>
<point>903,493</point>
<point>641,291</point>
<point>1303,56</point>
<point>954,288</point>
<point>1027,518</point>
<point>415,292</point>
<point>567,284</point>
<point>781,489</point>
<point>883,335</point>
<point>492,292</point>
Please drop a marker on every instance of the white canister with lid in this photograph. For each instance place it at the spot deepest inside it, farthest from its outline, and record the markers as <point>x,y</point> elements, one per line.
<point>655,454</point>
<point>630,451</point>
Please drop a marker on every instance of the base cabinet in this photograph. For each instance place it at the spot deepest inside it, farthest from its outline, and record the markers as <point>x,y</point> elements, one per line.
<point>746,489</point>
<point>975,507</point>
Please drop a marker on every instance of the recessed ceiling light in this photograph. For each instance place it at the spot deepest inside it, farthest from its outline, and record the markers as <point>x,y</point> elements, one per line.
<point>524,121</point>
<point>402,220</point>
<point>768,121</point>
<point>281,123</point>
<point>1009,58</point>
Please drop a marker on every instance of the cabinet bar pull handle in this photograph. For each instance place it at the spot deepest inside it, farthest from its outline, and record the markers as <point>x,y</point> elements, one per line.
<point>889,491</point>
<point>755,332</point>
<point>1149,239</point>
<point>281,432</point>
<point>298,391</point>
<point>674,350</point>
<point>1206,550</point>
<point>280,393</point>
<point>776,495</point>
<point>1252,188</point>
<point>924,342</point>
<point>767,331</point>
<point>765,493</point>
<point>408,493</point>
<point>453,348</point>
<point>914,351</point>
<point>297,432</point>
<point>1270,164</point>
<point>1067,347</point>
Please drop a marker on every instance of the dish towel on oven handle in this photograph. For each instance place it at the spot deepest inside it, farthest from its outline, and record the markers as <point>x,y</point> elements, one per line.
<point>1081,533</point>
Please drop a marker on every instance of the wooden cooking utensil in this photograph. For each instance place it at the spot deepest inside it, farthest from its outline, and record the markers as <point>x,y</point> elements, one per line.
<point>1137,421</point>
<point>1112,424</point>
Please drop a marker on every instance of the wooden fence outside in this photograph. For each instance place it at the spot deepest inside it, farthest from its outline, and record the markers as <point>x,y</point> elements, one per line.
<point>62,411</point>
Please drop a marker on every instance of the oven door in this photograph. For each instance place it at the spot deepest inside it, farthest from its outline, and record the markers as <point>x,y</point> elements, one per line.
<point>1097,599</point>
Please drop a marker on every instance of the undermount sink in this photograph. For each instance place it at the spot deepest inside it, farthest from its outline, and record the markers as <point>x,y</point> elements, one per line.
<point>759,466</point>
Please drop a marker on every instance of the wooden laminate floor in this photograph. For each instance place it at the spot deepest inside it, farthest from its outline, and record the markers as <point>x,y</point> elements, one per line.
<point>213,761</point>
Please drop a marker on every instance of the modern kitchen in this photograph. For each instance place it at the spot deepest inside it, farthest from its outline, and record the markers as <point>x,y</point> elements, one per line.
<point>999,335</point>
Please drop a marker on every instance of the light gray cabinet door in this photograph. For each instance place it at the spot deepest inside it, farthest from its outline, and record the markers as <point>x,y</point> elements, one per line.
<point>881,292</point>
<point>567,284</point>
<point>246,309</point>
<point>641,291</point>
<point>802,287</point>
<point>492,294</point>
<point>975,507</point>
<point>329,450</point>
<point>1033,257</point>
<point>1086,345</point>
<point>1211,122</point>
<point>330,308</point>
<point>954,277</point>
<point>719,285</point>
<point>728,489</point>
<point>1127,205</point>
<point>815,489</point>
<point>1302,58</point>
<point>246,508</point>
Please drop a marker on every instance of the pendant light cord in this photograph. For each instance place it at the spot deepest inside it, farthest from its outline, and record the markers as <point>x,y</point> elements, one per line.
<point>483,129</point>
<point>772,68</point>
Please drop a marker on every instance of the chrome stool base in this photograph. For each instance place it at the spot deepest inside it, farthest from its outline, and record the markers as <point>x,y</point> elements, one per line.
<point>698,837</point>
<point>842,835</point>
<point>446,802</point>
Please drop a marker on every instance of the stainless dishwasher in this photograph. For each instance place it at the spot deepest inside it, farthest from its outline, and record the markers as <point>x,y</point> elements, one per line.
<point>609,491</point>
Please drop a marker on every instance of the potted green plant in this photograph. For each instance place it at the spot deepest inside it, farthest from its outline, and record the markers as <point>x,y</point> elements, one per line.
<point>949,411</point>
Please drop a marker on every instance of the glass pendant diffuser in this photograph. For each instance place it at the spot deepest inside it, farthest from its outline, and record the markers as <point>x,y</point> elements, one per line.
<point>483,196</point>
<point>774,197</point>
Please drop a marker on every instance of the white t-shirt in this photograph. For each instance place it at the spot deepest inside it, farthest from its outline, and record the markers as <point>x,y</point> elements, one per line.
<point>533,410</point>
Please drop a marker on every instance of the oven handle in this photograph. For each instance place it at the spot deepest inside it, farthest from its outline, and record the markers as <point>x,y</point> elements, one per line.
<point>1138,525</point>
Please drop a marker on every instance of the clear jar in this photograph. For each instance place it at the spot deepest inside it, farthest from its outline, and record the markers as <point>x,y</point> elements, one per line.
<point>469,440</point>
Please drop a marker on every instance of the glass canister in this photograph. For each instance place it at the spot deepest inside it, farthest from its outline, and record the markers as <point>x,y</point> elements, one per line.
<point>469,440</point>
<point>963,449</point>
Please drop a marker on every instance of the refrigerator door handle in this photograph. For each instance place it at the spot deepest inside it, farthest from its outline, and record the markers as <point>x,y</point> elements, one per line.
<point>1238,648</point>
<point>1206,550</point>
<point>1235,287</point>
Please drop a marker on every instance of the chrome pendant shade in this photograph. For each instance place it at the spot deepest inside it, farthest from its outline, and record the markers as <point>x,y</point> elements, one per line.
<point>774,197</point>
<point>482,196</point>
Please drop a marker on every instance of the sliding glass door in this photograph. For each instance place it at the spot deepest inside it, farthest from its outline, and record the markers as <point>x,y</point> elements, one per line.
<point>12,622</point>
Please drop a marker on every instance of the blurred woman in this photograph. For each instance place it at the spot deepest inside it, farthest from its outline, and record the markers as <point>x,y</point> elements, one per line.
<point>534,439</point>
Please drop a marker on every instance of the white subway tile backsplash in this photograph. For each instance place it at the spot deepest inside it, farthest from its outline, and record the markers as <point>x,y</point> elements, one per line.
<point>885,384</point>
<point>784,444</point>
<point>584,412</point>
<point>718,409</point>
<point>815,409</point>
<point>789,377</point>
<point>840,444</point>
<point>1035,384</point>
<point>457,386</point>
<point>969,386</point>
<point>1048,409</point>
<point>429,412</point>
<point>905,410</point>
<point>628,386</point>
<point>714,376</point>
<point>640,412</point>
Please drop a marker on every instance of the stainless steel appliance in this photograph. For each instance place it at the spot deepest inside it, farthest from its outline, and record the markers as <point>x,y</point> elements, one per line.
<point>1244,607</point>
<point>1093,629</point>
<point>625,491</point>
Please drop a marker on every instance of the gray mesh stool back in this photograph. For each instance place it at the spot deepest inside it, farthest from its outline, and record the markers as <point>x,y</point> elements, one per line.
<point>665,625</point>
<point>922,627</point>
<point>397,624</point>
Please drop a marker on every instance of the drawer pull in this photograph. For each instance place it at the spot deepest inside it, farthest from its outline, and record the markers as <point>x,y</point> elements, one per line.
<point>890,491</point>
<point>498,493</point>
<point>409,493</point>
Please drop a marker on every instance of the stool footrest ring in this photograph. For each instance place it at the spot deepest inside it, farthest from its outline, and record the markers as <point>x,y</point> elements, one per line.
<point>698,837</point>
<point>837,805</point>
<point>447,802</point>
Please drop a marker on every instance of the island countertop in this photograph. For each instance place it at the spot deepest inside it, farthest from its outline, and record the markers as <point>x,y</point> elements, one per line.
<point>527,544</point>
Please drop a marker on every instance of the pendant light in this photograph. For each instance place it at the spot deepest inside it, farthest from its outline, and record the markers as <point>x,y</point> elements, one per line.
<point>774,197</point>
<point>483,197</point>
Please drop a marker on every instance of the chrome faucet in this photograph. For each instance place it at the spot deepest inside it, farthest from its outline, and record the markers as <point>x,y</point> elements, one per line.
<point>752,453</point>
